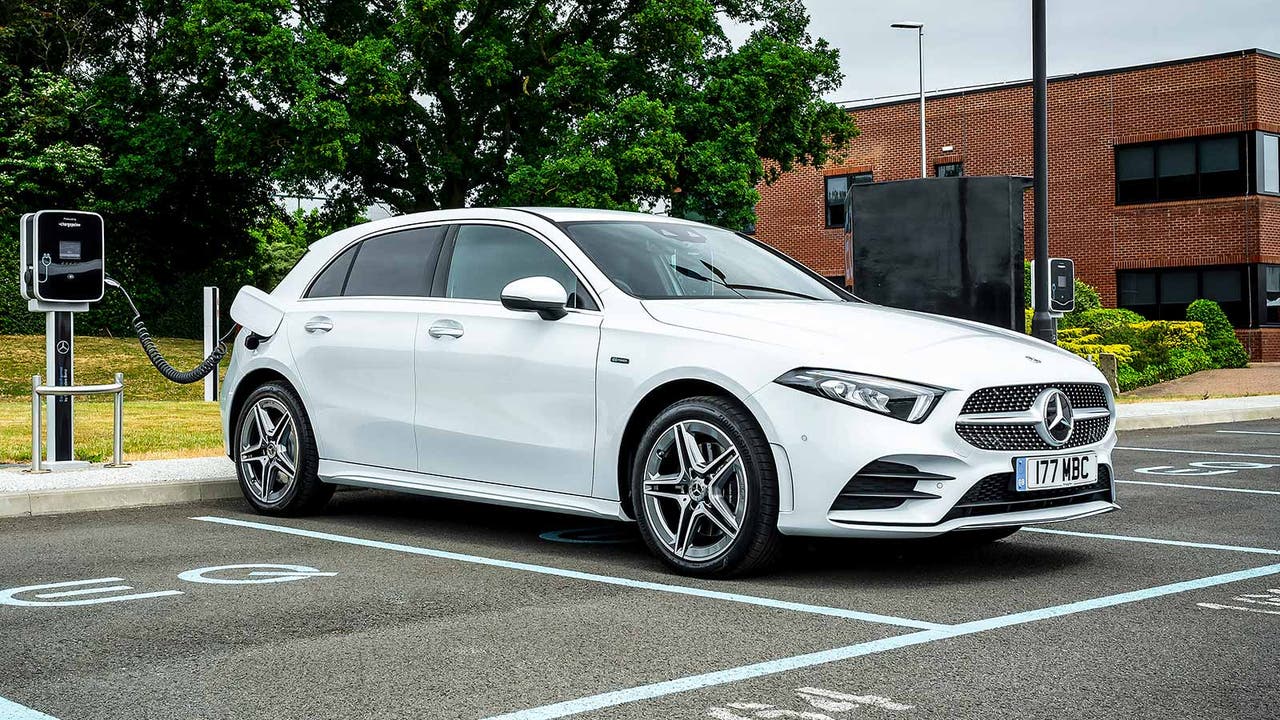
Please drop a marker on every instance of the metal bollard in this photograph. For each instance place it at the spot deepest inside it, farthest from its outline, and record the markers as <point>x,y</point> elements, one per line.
<point>35,425</point>
<point>117,450</point>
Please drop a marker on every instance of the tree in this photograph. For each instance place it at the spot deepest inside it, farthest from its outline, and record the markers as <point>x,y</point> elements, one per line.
<point>427,104</point>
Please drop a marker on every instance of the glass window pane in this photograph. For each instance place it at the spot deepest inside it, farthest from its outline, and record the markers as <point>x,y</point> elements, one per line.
<point>1224,285</point>
<point>329,282</point>
<point>1135,163</point>
<point>1177,287</point>
<point>1177,159</point>
<point>1271,163</point>
<point>862,178</point>
<point>1220,154</point>
<point>1271,292</point>
<point>397,264</point>
<point>949,170</point>
<point>1137,289</point>
<point>837,188</point>
<point>486,258</point>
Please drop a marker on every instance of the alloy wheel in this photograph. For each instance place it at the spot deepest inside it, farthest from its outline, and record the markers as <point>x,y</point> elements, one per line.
<point>695,490</point>
<point>269,450</point>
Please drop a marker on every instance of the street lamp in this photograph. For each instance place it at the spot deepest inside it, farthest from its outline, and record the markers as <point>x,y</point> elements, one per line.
<point>919,28</point>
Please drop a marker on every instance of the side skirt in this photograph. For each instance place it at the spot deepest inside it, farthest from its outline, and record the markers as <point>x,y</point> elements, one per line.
<point>342,473</point>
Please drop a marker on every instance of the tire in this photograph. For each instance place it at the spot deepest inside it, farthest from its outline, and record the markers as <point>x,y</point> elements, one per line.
<point>693,535</point>
<point>973,538</point>
<point>292,443</point>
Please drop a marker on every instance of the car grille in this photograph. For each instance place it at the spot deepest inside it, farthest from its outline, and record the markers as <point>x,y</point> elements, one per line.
<point>1010,398</point>
<point>995,494</point>
<point>1021,434</point>
<point>1025,437</point>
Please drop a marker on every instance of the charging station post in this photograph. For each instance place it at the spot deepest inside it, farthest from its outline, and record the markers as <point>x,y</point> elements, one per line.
<point>212,335</point>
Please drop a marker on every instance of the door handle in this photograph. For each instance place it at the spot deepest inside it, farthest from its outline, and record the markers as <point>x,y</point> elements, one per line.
<point>318,324</point>
<point>445,328</point>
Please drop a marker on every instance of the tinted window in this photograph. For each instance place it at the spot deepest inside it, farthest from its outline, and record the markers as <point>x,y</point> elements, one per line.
<point>1271,293</point>
<point>1181,170</point>
<point>1165,293</point>
<point>1270,181</point>
<point>486,258</point>
<point>1221,166</point>
<point>1135,174</point>
<point>949,169</point>
<point>330,281</point>
<point>661,260</point>
<point>396,264</point>
<point>837,189</point>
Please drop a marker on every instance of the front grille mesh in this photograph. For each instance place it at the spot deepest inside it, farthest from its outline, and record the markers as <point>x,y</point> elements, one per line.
<point>1013,398</point>
<point>995,494</point>
<point>1025,437</point>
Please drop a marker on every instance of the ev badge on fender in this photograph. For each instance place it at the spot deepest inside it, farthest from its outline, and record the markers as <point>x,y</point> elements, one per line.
<point>257,574</point>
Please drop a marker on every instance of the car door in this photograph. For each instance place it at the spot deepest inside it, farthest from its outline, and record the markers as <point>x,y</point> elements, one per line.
<point>503,396</point>
<point>352,337</point>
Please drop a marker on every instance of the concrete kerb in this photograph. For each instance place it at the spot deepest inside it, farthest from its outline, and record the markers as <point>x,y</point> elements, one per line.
<point>1180,413</point>
<point>147,482</point>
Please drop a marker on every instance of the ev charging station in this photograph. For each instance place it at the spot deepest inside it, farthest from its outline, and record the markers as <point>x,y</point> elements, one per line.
<point>61,272</point>
<point>1062,286</point>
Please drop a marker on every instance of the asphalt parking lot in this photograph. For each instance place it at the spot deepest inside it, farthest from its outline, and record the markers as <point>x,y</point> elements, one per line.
<point>394,606</point>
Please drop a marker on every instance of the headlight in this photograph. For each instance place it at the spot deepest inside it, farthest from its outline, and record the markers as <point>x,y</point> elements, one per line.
<point>895,398</point>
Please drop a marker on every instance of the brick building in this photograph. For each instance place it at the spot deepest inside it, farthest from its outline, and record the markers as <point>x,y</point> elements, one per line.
<point>1164,180</point>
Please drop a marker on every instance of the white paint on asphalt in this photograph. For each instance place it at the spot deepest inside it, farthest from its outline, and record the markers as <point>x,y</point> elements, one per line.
<point>1153,541</point>
<point>1248,432</point>
<point>578,575</point>
<point>9,596</point>
<point>1200,487</point>
<point>259,574</point>
<point>773,667</point>
<point>10,710</point>
<point>1198,452</point>
<point>843,702</point>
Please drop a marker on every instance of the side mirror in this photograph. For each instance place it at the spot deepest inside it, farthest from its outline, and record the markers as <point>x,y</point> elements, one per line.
<point>542,295</point>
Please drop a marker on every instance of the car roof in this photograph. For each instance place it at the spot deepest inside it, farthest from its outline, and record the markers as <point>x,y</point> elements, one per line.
<point>567,214</point>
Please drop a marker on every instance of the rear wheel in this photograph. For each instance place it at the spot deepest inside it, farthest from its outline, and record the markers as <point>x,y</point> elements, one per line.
<point>705,489</point>
<point>275,452</point>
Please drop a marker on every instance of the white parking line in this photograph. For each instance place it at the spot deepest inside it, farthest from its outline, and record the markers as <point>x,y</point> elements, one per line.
<point>1248,432</point>
<point>1154,541</point>
<point>10,710</point>
<point>1197,452</point>
<point>772,667</point>
<point>1199,487</point>
<point>577,575</point>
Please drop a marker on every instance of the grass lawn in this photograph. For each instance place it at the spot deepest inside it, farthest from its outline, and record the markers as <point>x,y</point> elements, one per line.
<point>161,419</point>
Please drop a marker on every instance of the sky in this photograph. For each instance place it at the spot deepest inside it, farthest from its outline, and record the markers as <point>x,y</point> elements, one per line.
<point>969,42</point>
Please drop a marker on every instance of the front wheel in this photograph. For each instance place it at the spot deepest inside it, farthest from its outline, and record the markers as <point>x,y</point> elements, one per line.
<point>705,489</point>
<point>275,453</point>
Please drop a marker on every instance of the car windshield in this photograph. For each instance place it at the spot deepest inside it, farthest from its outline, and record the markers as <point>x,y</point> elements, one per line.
<point>664,260</point>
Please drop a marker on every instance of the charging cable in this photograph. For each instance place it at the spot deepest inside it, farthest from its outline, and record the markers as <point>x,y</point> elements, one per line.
<point>171,373</point>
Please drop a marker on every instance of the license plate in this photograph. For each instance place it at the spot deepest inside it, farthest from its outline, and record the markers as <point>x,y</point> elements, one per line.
<point>1054,471</point>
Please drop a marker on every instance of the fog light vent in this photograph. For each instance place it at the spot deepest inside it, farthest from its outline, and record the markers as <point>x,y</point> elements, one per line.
<point>882,485</point>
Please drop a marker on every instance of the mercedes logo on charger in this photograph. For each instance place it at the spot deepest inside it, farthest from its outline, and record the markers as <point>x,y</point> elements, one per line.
<point>1056,417</point>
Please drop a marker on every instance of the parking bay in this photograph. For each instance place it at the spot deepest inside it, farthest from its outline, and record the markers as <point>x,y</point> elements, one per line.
<point>438,609</point>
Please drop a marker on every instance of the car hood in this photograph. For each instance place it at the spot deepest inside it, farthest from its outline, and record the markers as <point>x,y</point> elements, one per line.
<point>863,337</point>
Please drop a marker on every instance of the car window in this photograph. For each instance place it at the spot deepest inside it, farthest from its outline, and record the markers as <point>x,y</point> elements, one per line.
<point>330,280</point>
<point>397,264</point>
<point>488,257</point>
<point>657,260</point>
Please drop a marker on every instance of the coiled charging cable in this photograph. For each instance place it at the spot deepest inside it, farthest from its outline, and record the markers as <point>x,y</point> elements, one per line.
<point>171,373</point>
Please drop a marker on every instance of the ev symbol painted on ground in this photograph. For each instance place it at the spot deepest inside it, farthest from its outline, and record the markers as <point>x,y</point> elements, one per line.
<point>1267,603</point>
<point>1211,467</point>
<point>832,704</point>
<point>100,590</point>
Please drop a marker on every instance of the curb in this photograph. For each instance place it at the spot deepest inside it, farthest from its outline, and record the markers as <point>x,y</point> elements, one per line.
<point>113,497</point>
<point>1154,415</point>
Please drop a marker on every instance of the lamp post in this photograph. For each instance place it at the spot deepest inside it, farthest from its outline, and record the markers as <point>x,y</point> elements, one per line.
<point>1043,324</point>
<point>919,28</point>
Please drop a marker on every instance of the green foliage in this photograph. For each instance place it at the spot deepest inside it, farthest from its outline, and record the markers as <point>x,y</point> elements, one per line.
<point>280,240</point>
<point>1224,346</point>
<point>1147,351</point>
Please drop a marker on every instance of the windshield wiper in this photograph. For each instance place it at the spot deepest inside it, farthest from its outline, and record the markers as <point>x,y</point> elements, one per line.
<point>780,291</point>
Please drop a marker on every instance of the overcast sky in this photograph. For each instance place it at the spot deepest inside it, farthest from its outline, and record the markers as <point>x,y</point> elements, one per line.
<point>968,42</point>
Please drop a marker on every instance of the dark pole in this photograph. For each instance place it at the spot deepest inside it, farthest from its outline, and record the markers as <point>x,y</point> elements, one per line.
<point>1043,325</point>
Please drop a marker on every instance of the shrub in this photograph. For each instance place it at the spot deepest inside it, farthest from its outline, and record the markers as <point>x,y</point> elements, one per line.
<point>1223,345</point>
<point>1089,345</point>
<point>1086,298</point>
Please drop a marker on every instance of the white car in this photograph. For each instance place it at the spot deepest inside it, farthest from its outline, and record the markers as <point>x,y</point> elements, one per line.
<point>634,367</point>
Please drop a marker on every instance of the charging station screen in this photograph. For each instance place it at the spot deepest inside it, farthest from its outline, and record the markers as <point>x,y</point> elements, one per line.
<point>69,250</point>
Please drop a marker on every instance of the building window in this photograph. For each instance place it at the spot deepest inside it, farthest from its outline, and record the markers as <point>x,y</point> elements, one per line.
<point>955,169</point>
<point>1164,294</point>
<point>1181,170</point>
<point>837,190</point>
<point>1270,294</point>
<point>1269,164</point>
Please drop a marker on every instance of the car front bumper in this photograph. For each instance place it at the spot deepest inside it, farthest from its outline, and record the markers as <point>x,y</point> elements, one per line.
<point>825,443</point>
